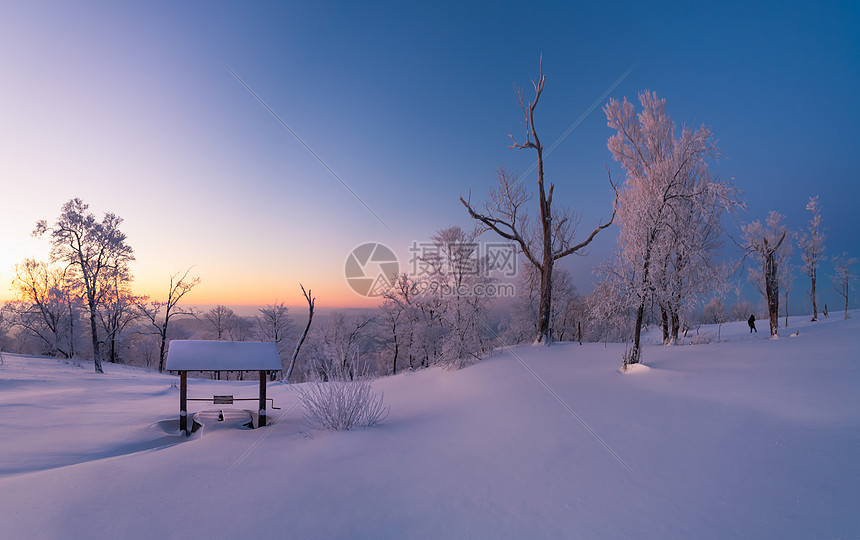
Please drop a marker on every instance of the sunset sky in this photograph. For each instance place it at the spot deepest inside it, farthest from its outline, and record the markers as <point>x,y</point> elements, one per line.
<point>134,108</point>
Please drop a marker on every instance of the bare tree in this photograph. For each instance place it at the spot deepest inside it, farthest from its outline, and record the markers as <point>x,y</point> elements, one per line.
<point>844,277</point>
<point>91,249</point>
<point>5,325</point>
<point>811,244</point>
<point>764,243</point>
<point>311,300</point>
<point>715,312</point>
<point>158,314</point>
<point>274,325</point>
<point>117,311</point>
<point>339,344</point>
<point>456,284</point>
<point>505,214</point>
<point>46,308</point>
<point>222,320</point>
<point>400,316</point>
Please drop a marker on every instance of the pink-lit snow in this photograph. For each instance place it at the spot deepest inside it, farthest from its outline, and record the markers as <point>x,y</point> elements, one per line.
<point>747,438</point>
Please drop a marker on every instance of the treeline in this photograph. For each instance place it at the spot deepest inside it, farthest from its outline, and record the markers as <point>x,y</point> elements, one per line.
<point>453,308</point>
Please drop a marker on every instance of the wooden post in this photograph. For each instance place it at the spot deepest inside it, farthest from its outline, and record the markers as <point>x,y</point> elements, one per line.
<point>183,402</point>
<point>262,399</point>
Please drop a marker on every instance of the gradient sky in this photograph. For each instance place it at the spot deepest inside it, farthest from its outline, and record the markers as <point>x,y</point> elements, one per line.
<point>133,108</point>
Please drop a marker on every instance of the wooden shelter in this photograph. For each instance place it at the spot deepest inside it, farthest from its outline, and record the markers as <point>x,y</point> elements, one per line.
<point>199,355</point>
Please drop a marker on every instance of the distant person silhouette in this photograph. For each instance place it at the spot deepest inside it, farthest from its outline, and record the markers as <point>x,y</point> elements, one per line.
<point>751,322</point>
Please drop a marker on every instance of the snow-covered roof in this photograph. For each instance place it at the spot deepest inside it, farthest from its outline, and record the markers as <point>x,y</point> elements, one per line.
<point>201,355</point>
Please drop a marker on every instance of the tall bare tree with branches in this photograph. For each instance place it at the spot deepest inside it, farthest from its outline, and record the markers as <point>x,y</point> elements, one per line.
<point>311,300</point>
<point>158,314</point>
<point>505,214</point>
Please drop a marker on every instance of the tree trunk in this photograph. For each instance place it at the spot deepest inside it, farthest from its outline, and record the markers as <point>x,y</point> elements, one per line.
<point>544,333</point>
<point>396,352</point>
<point>97,361</point>
<point>812,295</point>
<point>664,324</point>
<point>637,333</point>
<point>640,311</point>
<point>772,293</point>
<point>675,319</point>
<point>161,355</point>
<point>304,334</point>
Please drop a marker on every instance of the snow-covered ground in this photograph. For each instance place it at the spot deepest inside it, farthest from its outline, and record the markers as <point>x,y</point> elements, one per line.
<point>747,438</point>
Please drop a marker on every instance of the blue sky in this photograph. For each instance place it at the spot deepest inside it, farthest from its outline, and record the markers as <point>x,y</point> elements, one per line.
<point>133,108</point>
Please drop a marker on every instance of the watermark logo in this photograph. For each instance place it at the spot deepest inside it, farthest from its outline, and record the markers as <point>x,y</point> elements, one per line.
<point>371,269</point>
<point>462,269</point>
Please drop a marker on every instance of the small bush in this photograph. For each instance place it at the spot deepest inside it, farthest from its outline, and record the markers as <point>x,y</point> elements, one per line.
<point>342,403</point>
<point>702,339</point>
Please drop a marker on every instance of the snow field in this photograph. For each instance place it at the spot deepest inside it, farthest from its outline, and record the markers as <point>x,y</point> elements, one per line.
<point>746,438</point>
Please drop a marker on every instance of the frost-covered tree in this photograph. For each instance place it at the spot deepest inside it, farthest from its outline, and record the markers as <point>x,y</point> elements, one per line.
<point>117,311</point>
<point>399,318</point>
<point>339,343</point>
<point>158,313</point>
<point>715,312</point>
<point>811,244</point>
<point>766,243</point>
<point>553,236</point>
<point>844,277</point>
<point>274,325</point>
<point>91,249</point>
<point>456,283</point>
<point>46,306</point>
<point>607,308</point>
<point>221,318</point>
<point>669,213</point>
<point>522,324</point>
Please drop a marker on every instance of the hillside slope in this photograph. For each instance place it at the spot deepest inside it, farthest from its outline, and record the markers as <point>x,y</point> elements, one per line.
<point>748,438</point>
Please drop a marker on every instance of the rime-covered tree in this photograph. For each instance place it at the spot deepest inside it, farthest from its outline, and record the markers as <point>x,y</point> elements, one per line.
<point>668,212</point>
<point>117,311</point>
<point>811,244</point>
<point>46,306</point>
<point>715,312</point>
<point>844,277</point>
<point>457,282</point>
<point>222,319</point>
<point>91,249</point>
<point>274,325</point>
<point>399,317</point>
<point>505,214</point>
<point>158,313</point>
<point>339,344</point>
<point>522,326</point>
<point>608,310</point>
<point>766,243</point>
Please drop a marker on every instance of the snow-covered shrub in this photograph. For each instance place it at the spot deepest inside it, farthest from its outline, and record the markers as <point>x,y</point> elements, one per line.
<point>702,339</point>
<point>342,402</point>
